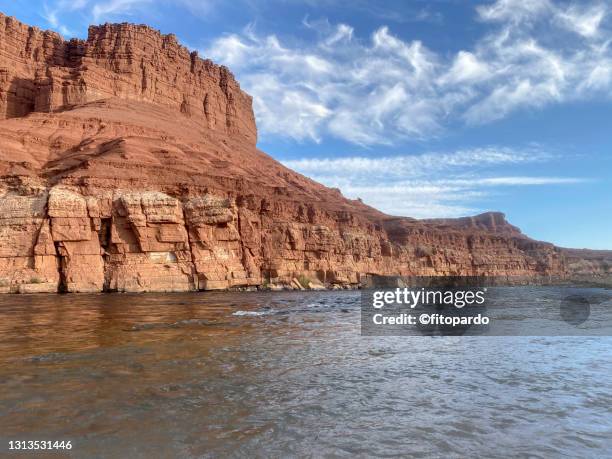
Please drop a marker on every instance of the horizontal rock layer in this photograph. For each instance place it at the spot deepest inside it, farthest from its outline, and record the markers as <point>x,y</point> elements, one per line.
<point>60,239</point>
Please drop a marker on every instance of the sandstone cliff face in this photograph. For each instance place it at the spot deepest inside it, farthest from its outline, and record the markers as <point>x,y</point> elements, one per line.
<point>39,71</point>
<point>129,164</point>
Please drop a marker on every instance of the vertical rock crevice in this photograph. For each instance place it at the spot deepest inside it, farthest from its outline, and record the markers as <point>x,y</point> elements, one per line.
<point>61,265</point>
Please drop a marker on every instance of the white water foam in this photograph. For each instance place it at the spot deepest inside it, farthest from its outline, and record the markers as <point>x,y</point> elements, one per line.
<point>250,313</point>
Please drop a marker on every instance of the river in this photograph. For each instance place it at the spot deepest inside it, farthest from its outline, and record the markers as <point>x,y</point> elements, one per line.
<point>287,374</point>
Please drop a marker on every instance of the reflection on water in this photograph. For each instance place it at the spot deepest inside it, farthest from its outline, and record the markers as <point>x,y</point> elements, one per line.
<point>287,374</point>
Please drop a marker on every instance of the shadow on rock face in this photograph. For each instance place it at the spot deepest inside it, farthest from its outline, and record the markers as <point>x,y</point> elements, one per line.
<point>19,99</point>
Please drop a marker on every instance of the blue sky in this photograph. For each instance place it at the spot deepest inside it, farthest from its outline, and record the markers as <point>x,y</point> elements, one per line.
<point>421,108</point>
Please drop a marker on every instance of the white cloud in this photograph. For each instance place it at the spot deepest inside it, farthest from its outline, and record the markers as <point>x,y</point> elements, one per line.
<point>342,32</point>
<point>109,10</point>
<point>306,110</point>
<point>509,181</point>
<point>384,89</point>
<point>514,11</point>
<point>466,67</point>
<point>234,51</point>
<point>599,77</point>
<point>418,165</point>
<point>429,185</point>
<point>103,10</point>
<point>52,13</point>
<point>343,88</point>
<point>584,22</point>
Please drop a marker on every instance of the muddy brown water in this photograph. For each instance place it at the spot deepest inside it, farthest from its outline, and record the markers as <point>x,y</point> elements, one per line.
<point>287,374</point>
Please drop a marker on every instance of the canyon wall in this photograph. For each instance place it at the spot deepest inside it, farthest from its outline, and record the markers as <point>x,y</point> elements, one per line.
<point>589,266</point>
<point>129,164</point>
<point>39,71</point>
<point>61,240</point>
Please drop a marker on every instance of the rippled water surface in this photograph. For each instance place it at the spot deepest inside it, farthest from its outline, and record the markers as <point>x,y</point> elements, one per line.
<point>285,375</point>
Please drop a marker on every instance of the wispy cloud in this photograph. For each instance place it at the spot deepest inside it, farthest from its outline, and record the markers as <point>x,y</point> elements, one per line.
<point>423,164</point>
<point>584,21</point>
<point>105,9</point>
<point>432,184</point>
<point>53,12</point>
<point>383,89</point>
<point>98,11</point>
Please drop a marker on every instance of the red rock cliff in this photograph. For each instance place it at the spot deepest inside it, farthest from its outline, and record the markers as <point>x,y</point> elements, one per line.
<point>129,164</point>
<point>40,72</point>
